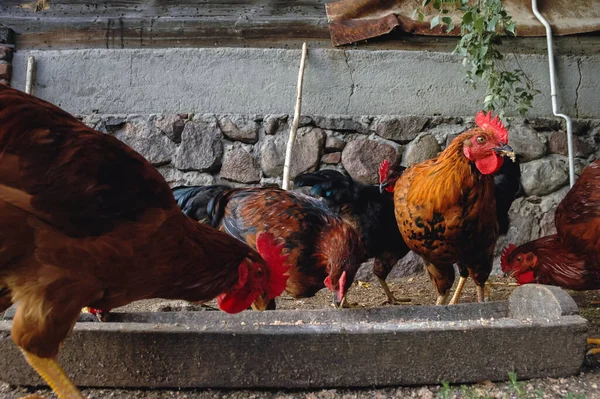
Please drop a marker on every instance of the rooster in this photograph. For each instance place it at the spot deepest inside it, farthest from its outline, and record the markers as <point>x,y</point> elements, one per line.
<point>445,207</point>
<point>85,220</point>
<point>571,257</point>
<point>324,250</point>
<point>370,211</point>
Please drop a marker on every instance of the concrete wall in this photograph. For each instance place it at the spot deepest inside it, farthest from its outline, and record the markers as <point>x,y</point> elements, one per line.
<point>261,81</point>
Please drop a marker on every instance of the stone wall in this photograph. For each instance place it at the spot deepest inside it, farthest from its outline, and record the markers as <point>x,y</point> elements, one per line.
<point>245,150</point>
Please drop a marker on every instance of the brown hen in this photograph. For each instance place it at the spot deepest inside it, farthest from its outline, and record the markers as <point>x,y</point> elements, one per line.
<point>85,220</point>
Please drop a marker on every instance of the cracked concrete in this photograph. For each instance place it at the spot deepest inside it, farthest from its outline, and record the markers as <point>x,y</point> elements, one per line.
<point>352,87</point>
<point>577,89</point>
<point>261,81</point>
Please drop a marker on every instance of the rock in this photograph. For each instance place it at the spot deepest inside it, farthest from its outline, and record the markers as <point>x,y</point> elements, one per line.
<point>360,124</point>
<point>546,124</point>
<point>176,177</point>
<point>445,133</point>
<point>410,266</point>
<point>526,142</point>
<point>239,164</point>
<point>91,120</point>
<point>543,176</point>
<point>425,393</point>
<point>303,121</point>
<point>112,123</point>
<point>536,300</point>
<point>424,147</point>
<point>557,144</point>
<point>401,129</point>
<point>272,155</point>
<point>333,143</point>
<point>305,157</point>
<point>201,147</point>
<point>580,127</point>
<point>171,126</point>
<point>361,159</point>
<point>307,151</point>
<point>273,123</point>
<point>6,53</point>
<point>240,128</point>
<point>140,134</point>
<point>332,158</point>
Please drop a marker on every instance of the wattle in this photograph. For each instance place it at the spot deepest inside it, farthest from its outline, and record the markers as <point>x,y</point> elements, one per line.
<point>489,164</point>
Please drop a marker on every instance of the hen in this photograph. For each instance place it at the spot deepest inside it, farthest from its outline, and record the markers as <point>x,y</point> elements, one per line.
<point>445,207</point>
<point>571,257</point>
<point>85,220</point>
<point>370,211</point>
<point>324,251</point>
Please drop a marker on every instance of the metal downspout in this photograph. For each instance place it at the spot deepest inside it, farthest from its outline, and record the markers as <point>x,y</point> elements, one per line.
<point>553,90</point>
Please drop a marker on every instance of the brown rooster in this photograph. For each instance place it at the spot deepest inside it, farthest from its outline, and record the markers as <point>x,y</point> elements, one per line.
<point>570,258</point>
<point>446,209</point>
<point>85,220</point>
<point>324,250</point>
<point>369,211</point>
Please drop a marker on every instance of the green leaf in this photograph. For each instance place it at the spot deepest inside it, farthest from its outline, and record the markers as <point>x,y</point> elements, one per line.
<point>435,21</point>
<point>425,2</point>
<point>467,18</point>
<point>447,20</point>
<point>512,28</point>
<point>437,4</point>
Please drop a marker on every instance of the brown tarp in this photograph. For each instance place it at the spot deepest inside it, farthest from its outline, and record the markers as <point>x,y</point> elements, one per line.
<point>354,20</point>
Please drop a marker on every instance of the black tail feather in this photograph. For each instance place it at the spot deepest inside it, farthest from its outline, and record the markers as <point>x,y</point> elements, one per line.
<point>508,187</point>
<point>334,186</point>
<point>194,200</point>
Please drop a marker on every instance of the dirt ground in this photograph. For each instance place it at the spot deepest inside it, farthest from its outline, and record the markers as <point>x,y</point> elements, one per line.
<point>584,385</point>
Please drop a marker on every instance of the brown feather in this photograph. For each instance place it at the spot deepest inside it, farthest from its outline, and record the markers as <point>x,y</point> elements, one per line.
<point>445,210</point>
<point>86,221</point>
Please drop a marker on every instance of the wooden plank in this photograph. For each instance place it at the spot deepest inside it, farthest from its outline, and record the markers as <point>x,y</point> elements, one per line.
<point>145,23</point>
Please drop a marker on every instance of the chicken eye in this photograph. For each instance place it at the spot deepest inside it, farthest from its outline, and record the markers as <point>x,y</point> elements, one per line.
<point>259,272</point>
<point>481,139</point>
<point>519,258</point>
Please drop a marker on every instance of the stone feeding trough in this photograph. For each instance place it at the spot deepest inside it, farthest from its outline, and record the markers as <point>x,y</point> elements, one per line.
<point>536,333</point>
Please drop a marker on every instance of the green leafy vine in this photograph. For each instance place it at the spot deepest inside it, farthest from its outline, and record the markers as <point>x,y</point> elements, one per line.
<point>483,25</point>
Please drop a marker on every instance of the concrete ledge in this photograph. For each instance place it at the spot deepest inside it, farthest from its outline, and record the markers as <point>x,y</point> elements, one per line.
<point>263,81</point>
<point>308,349</point>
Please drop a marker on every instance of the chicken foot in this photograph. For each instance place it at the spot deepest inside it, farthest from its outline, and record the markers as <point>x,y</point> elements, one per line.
<point>593,341</point>
<point>391,299</point>
<point>441,299</point>
<point>54,376</point>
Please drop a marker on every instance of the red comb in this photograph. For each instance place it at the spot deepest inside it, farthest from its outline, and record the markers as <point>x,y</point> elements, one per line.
<point>504,257</point>
<point>384,167</point>
<point>273,256</point>
<point>495,125</point>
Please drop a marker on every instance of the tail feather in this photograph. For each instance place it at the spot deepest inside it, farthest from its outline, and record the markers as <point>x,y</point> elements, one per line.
<point>330,184</point>
<point>194,200</point>
<point>508,187</point>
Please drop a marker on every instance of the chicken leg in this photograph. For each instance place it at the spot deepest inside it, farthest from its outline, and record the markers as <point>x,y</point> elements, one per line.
<point>54,376</point>
<point>459,289</point>
<point>391,299</point>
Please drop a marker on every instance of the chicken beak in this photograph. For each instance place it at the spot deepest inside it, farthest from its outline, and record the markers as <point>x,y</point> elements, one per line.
<point>339,301</point>
<point>382,187</point>
<point>261,302</point>
<point>506,151</point>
